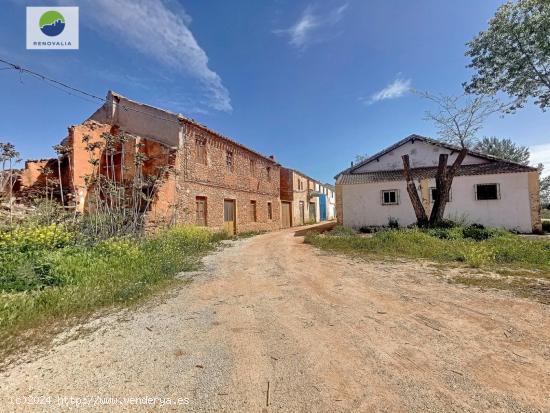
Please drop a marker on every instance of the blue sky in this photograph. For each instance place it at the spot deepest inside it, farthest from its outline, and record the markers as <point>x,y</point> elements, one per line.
<point>313,83</point>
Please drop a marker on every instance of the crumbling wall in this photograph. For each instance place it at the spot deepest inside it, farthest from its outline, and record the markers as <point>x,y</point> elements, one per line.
<point>87,143</point>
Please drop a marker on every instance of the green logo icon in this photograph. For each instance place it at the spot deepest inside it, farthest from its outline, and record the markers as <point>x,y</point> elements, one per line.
<point>52,23</point>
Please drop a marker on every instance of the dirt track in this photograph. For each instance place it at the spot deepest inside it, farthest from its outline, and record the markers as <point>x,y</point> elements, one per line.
<point>327,333</point>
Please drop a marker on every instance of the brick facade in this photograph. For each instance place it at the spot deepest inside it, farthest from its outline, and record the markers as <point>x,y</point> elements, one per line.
<point>200,167</point>
<point>251,177</point>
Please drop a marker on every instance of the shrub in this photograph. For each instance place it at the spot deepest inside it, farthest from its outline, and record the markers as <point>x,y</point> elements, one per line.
<point>393,223</point>
<point>367,230</point>
<point>440,244</point>
<point>341,231</point>
<point>32,238</point>
<point>476,232</point>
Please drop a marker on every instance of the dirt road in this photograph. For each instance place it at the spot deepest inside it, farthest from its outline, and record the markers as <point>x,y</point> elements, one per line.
<point>323,333</point>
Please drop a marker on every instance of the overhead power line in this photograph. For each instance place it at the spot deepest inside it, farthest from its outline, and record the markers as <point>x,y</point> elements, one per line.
<point>71,90</point>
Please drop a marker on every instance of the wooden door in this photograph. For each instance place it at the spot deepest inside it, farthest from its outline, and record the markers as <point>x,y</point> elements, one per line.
<point>229,216</point>
<point>285,211</point>
<point>201,211</point>
<point>302,213</point>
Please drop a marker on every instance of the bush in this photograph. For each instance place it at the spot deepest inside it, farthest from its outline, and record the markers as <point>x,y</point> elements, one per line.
<point>393,223</point>
<point>341,231</point>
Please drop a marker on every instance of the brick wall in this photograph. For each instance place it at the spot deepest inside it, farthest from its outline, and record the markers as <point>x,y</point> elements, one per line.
<point>251,177</point>
<point>287,186</point>
<point>157,155</point>
<point>534,201</point>
<point>246,181</point>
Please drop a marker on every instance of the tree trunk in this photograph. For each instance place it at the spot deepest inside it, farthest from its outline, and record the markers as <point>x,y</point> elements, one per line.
<point>443,181</point>
<point>60,182</point>
<point>11,193</point>
<point>420,212</point>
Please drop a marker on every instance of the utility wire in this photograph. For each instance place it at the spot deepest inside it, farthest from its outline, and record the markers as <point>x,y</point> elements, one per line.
<point>70,89</point>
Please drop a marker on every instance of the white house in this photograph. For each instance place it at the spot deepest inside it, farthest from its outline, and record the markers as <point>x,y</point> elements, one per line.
<point>486,190</point>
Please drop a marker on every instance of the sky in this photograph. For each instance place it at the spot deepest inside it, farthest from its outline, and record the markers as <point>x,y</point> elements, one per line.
<point>313,83</point>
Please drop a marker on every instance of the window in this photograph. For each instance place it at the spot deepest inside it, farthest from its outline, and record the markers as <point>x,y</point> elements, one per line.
<point>252,168</point>
<point>432,195</point>
<point>200,202</point>
<point>269,211</point>
<point>200,149</point>
<point>390,197</point>
<point>487,191</point>
<point>253,216</point>
<point>299,184</point>
<point>229,160</point>
<point>268,169</point>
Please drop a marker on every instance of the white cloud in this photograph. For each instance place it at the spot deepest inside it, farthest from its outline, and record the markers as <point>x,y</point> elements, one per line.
<point>307,29</point>
<point>541,154</point>
<point>158,29</point>
<point>394,90</point>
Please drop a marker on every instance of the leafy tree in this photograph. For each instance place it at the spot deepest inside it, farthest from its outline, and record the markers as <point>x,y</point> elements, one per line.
<point>504,148</point>
<point>544,188</point>
<point>545,192</point>
<point>513,54</point>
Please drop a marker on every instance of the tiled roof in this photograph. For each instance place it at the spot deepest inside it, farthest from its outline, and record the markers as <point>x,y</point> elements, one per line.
<point>430,172</point>
<point>413,138</point>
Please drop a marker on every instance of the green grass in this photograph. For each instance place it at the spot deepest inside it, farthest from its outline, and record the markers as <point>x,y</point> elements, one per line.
<point>459,245</point>
<point>48,277</point>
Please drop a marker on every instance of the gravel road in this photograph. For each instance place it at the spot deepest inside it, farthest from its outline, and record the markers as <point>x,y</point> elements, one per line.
<point>274,325</point>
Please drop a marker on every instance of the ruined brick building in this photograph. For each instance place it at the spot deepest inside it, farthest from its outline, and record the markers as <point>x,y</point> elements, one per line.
<point>213,180</point>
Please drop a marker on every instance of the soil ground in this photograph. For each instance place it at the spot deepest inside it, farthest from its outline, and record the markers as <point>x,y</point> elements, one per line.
<point>274,325</point>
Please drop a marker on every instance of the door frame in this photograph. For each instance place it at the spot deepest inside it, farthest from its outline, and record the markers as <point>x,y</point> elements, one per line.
<point>234,202</point>
<point>289,203</point>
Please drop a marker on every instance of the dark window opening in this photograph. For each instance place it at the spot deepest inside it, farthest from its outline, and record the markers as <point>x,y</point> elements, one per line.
<point>229,161</point>
<point>487,192</point>
<point>433,195</point>
<point>269,211</point>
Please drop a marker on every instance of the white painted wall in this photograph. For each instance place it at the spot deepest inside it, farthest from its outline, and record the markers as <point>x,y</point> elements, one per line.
<point>362,203</point>
<point>421,154</point>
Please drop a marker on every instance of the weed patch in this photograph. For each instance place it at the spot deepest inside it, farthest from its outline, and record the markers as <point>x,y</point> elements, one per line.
<point>475,247</point>
<point>51,278</point>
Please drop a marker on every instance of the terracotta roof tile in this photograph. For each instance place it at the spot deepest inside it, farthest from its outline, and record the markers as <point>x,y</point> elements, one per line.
<point>430,172</point>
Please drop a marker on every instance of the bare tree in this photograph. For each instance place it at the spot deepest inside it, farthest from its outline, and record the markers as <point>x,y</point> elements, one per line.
<point>458,120</point>
<point>10,155</point>
<point>61,152</point>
